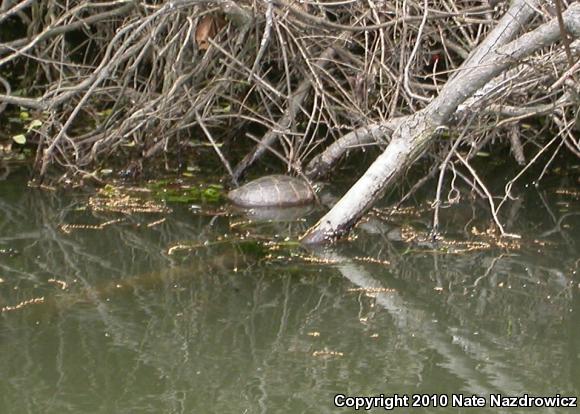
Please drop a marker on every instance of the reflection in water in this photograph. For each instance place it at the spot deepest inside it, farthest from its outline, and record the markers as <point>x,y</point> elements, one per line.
<point>117,319</point>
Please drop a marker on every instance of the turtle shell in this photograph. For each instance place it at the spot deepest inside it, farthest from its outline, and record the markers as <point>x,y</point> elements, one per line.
<point>273,191</point>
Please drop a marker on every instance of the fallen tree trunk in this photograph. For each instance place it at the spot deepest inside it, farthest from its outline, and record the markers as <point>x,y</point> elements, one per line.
<point>324,162</point>
<point>506,30</point>
<point>416,132</point>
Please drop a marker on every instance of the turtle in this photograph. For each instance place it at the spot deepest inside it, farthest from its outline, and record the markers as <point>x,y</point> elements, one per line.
<point>273,191</point>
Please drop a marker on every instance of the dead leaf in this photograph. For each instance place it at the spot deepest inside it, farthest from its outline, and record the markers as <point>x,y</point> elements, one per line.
<point>207,28</point>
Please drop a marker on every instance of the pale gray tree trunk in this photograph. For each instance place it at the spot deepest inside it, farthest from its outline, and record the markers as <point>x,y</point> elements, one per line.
<point>415,133</point>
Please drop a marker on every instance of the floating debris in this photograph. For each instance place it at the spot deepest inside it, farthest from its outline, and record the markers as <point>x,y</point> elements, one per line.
<point>22,304</point>
<point>120,200</point>
<point>60,283</point>
<point>327,353</point>
<point>372,290</point>
<point>67,228</point>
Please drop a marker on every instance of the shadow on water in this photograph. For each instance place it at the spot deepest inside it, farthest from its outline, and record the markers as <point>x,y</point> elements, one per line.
<point>190,311</point>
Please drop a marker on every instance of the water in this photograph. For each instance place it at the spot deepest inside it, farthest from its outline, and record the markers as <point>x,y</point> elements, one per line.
<point>205,312</point>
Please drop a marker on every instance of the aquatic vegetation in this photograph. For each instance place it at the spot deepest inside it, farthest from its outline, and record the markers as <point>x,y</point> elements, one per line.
<point>177,191</point>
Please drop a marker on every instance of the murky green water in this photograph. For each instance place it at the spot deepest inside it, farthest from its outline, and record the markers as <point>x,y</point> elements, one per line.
<point>152,316</point>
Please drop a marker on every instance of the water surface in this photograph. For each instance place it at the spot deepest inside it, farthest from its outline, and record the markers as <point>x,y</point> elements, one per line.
<point>199,311</point>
